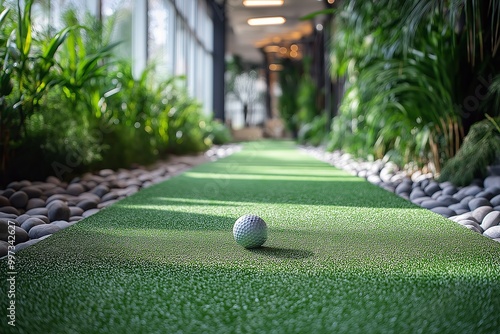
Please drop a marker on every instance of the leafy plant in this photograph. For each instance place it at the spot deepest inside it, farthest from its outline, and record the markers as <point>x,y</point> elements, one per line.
<point>401,97</point>
<point>288,105</point>
<point>28,73</point>
<point>480,149</point>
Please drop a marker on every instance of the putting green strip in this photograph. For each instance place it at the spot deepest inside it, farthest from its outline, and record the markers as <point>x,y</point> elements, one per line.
<point>342,256</point>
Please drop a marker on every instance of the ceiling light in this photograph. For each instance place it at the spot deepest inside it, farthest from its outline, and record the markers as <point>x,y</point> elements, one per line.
<point>276,67</point>
<point>259,21</point>
<point>259,3</point>
<point>272,48</point>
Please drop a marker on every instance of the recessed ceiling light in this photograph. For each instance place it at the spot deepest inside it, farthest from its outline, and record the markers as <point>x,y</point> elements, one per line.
<point>259,3</point>
<point>272,48</point>
<point>276,67</point>
<point>259,21</point>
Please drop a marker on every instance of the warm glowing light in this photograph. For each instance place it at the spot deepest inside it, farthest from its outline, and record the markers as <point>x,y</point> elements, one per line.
<point>272,48</point>
<point>283,50</point>
<point>262,3</point>
<point>331,1</point>
<point>293,54</point>
<point>275,67</point>
<point>294,47</point>
<point>259,21</point>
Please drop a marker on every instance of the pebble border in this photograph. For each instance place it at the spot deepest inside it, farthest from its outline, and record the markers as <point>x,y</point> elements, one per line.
<point>476,206</point>
<point>33,211</point>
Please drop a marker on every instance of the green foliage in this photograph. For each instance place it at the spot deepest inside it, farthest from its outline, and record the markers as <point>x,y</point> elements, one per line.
<point>480,148</point>
<point>288,104</point>
<point>313,132</point>
<point>27,75</point>
<point>397,101</point>
<point>69,104</point>
<point>298,100</point>
<point>218,133</point>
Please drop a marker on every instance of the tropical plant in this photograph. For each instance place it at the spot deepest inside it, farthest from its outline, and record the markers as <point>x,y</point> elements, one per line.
<point>27,75</point>
<point>480,149</point>
<point>288,106</point>
<point>401,97</point>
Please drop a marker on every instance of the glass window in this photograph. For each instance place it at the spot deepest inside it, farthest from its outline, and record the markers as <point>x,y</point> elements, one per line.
<point>159,31</point>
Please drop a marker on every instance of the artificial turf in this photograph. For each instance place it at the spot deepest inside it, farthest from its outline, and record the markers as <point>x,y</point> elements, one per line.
<point>342,256</point>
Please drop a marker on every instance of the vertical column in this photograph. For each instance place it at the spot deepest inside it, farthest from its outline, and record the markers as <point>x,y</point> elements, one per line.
<point>219,68</point>
<point>139,36</point>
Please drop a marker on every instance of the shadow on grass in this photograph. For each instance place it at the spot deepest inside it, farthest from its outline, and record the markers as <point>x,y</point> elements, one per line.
<point>282,253</point>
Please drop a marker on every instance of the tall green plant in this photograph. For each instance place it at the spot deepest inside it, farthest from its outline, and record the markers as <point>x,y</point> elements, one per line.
<point>29,70</point>
<point>288,105</point>
<point>400,99</point>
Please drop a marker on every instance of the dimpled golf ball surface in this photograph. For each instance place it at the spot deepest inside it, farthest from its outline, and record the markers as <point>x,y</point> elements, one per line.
<point>250,231</point>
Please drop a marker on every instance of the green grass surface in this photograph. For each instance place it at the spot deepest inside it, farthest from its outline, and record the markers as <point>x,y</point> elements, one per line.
<point>342,256</point>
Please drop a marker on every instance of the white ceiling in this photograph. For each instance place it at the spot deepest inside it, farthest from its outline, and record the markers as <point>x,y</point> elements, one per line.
<point>245,40</point>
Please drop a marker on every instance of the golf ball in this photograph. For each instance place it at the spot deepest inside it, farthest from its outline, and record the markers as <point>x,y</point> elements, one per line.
<point>250,231</point>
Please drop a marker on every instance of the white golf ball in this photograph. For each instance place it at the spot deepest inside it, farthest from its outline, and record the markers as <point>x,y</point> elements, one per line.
<point>250,231</point>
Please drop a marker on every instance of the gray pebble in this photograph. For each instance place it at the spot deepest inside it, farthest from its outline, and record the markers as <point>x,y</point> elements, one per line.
<point>9,209</point>
<point>7,221</point>
<point>444,211</point>
<point>42,230</point>
<point>485,194</point>
<point>53,180</point>
<point>107,203</point>
<point>492,181</point>
<point>495,201</point>
<point>89,196</point>
<point>58,211</point>
<point>19,234</point>
<point>431,188</point>
<point>493,232</point>
<point>419,200</point>
<point>75,211</point>
<point>460,217</point>
<point>61,224</point>
<point>90,212</point>
<point>87,204</point>
<point>4,201</point>
<point>437,194</point>
<point>100,190</point>
<point>478,202</point>
<point>473,228</point>
<point>31,222</point>
<point>32,191</point>
<point>8,192</point>
<point>55,190</point>
<point>472,223</point>
<point>430,204</point>
<point>22,218</point>
<point>417,193</point>
<point>491,219</point>
<point>109,196</point>
<point>42,217</point>
<point>75,189</point>
<point>447,200</point>
<point>472,190</point>
<point>8,215</point>
<point>449,190</point>
<point>16,185</point>
<point>35,203</point>
<point>37,211</point>
<point>481,212</point>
